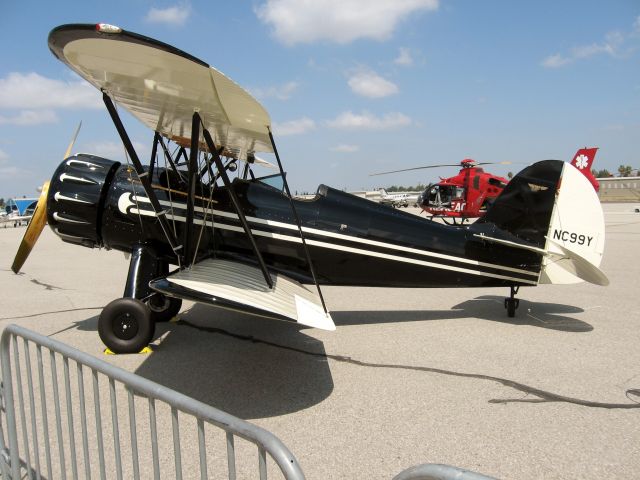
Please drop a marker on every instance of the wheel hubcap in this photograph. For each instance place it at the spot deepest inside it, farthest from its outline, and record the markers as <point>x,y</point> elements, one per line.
<point>125,326</point>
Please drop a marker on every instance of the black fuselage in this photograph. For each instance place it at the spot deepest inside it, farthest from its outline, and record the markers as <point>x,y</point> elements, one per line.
<point>351,240</point>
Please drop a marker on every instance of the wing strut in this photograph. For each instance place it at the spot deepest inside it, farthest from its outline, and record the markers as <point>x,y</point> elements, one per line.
<point>191,186</point>
<point>295,214</point>
<point>142,175</point>
<point>234,199</point>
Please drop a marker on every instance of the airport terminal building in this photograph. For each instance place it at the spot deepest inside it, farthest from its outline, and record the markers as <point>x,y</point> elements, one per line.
<point>619,189</point>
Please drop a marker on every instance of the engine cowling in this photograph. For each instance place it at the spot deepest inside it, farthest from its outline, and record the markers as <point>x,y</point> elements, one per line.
<point>76,198</point>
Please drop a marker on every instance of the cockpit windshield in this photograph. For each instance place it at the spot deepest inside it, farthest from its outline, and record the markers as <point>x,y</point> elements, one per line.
<point>442,195</point>
<point>276,181</point>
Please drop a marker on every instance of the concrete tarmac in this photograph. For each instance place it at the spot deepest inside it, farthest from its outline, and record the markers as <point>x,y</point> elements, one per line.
<point>410,376</point>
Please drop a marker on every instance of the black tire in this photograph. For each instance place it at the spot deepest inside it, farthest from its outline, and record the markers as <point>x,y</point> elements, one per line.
<point>163,308</point>
<point>511,304</point>
<point>125,325</point>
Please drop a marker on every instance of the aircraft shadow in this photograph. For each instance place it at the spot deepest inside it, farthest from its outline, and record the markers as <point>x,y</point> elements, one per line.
<point>552,316</point>
<point>252,367</point>
<point>247,366</point>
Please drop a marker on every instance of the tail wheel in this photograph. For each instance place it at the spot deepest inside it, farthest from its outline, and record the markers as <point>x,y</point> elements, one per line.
<point>163,308</point>
<point>125,325</point>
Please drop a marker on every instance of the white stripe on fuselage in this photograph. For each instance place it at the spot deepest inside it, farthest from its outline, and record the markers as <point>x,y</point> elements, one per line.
<point>125,203</point>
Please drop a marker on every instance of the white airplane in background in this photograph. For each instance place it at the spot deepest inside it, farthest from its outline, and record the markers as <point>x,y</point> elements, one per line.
<point>398,199</point>
<point>7,218</point>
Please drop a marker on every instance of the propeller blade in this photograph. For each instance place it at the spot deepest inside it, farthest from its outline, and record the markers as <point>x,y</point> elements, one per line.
<point>73,140</point>
<point>34,229</point>
<point>39,218</point>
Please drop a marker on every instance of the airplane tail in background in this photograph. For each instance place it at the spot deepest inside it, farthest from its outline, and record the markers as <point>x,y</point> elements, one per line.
<point>551,209</point>
<point>582,160</point>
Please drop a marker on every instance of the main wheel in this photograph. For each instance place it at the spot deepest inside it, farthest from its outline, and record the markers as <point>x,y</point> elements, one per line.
<point>163,308</point>
<point>125,325</point>
<point>511,304</point>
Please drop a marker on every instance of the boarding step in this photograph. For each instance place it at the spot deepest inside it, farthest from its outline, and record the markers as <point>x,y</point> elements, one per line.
<point>240,286</point>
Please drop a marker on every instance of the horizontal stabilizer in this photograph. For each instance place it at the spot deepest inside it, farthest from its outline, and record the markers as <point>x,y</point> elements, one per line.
<point>565,259</point>
<point>577,265</point>
<point>241,287</point>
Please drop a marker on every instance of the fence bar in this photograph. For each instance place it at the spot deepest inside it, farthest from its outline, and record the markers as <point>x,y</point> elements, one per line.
<point>203,451</point>
<point>134,434</point>
<point>231,456</point>
<point>154,438</point>
<point>176,442</point>
<point>96,407</point>
<point>23,418</point>
<point>45,418</point>
<point>262,463</point>
<point>116,430</point>
<point>56,401</point>
<point>72,436</point>
<point>432,471</point>
<point>83,422</point>
<point>32,408</point>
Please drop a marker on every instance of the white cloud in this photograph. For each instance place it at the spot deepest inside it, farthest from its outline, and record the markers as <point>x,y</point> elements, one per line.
<point>555,61</point>
<point>174,16</point>
<point>113,150</point>
<point>368,121</point>
<point>33,91</point>
<point>3,156</point>
<point>404,58</point>
<point>294,127</point>
<point>368,83</point>
<point>30,117</point>
<point>280,92</point>
<point>612,45</point>
<point>344,148</point>
<point>339,21</point>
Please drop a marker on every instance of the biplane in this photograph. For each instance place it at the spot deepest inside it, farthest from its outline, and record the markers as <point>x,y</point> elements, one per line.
<point>200,225</point>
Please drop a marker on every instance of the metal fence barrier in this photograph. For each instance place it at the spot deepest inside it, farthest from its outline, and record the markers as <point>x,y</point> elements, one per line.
<point>432,471</point>
<point>71,442</point>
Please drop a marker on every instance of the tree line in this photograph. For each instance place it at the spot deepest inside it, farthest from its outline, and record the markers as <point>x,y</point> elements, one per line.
<point>623,171</point>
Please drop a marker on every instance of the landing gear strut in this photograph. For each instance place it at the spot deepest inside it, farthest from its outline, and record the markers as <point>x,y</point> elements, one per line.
<point>512,303</point>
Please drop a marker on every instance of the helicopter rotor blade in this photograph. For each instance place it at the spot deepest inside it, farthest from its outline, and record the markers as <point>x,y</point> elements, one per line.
<point>416,168</point>
<point>38,220</point>
<point>445,165</point>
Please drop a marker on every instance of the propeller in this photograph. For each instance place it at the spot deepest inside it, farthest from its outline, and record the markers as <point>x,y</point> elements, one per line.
<point>436,166</point>
<point>38,220</point>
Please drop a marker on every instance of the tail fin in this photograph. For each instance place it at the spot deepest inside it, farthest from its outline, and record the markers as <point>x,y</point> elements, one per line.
<point>551,209</point>
<point>582,160</point>
<point>524,207</point>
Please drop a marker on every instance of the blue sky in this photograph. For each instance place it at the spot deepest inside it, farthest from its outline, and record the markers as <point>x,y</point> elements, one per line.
<point>352,86</point>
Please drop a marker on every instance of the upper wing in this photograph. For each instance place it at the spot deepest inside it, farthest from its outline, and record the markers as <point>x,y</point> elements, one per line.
<point>162,86</point>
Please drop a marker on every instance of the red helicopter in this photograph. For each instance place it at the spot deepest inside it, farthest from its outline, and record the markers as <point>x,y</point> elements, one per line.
<point>466,195</point>
<point>471,192</point>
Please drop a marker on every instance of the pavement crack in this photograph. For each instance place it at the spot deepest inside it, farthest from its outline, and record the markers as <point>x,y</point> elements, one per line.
<point>542,396</point>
